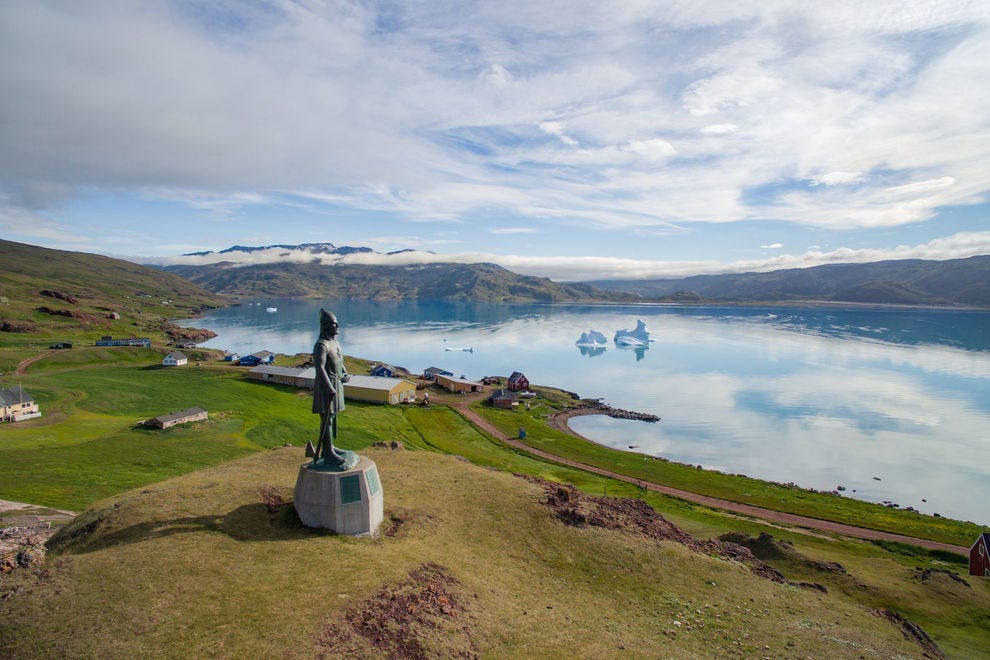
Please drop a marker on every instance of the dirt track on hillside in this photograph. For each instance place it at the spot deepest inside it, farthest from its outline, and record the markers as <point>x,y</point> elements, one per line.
<point>22,367</point>
<point>559,421</point>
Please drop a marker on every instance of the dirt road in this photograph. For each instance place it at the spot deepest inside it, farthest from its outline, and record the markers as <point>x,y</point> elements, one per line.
<point>463,406</point>
<point>22,367</point>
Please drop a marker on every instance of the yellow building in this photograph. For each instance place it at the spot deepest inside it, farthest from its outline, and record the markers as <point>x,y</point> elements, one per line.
<point>378,389</point>
<point>459,385</point>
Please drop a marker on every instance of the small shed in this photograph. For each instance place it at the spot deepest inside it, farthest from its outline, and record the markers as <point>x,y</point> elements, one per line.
<point>231,357</point>
<point>175,359</point>
<point>432,373</point>
<point>291,376</point>
<point>979,556</point>
<point>459,385</point>
<point>378,389</point>
<point>194,414</point>
<point>504,399</point>
<point>517,381</point>
<point>249,361</point>
<point>384,371</point>
<point>61,344</point>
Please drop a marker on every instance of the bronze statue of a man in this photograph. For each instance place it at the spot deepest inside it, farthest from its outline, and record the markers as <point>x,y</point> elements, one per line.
<point>328,390</point>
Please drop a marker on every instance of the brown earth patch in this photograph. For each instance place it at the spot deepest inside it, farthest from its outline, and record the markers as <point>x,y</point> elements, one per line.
<point>912,631</point>
<point>7,325</point>
<point>637,517</point>
<point>423,616</point>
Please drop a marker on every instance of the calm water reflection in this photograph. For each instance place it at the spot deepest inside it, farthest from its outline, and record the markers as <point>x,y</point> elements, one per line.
<point>820,397</point>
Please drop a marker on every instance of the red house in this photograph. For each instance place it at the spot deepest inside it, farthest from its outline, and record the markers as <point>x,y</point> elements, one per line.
<point>979,556</point>
<point>517,382</point>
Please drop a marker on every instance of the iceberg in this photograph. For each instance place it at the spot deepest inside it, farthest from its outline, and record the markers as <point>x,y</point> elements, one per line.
<point>638,336</point>
<point>591,339</point>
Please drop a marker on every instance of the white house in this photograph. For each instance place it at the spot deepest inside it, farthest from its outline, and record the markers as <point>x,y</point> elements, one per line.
<point>16,405</point>
<point>174,359</point>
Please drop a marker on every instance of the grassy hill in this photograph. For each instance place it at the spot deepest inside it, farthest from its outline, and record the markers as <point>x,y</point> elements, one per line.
<point>903,282</point>
<point>467,282</point>
<point>472,563</point>
<point>47,292</point>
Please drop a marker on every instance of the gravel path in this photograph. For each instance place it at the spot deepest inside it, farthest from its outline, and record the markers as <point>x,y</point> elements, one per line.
<point>560,422</point>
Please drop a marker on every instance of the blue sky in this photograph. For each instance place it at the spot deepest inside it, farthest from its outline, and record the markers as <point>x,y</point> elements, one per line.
<point>575,140</point>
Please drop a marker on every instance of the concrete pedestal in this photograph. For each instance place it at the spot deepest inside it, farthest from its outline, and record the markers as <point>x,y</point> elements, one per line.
<point>347,502</point>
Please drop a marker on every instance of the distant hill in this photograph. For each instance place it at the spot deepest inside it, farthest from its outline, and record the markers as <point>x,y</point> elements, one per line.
<point>41,288</point>
<point>434,281</point>
<point>903,282</point>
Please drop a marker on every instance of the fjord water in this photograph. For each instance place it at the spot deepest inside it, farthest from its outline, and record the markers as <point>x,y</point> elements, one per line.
<point>894,405</point>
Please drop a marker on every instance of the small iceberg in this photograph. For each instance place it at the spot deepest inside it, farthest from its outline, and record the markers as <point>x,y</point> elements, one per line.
<point>271,310</point>
<point>637,337</point>
<point>591,339</point>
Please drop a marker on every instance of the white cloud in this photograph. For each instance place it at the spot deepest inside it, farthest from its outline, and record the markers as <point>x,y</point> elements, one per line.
<point>556,129</point>
<point>838,179</point>
<point>772,246</point>
<point>512,230</point>
<point>719,129</point>
<point>439,111</point>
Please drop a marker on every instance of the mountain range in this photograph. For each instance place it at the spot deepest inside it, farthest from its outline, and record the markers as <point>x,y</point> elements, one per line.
<point>323,270</point>
<point>432,281</point>
<point>899,282</point>
<point>326,270</point>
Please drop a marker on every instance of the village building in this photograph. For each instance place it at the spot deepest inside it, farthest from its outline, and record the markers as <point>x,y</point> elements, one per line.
<point>979,556</point>
<point>174,359</point>
<point>231,357</point>
<point>504,399</point>
<point>432,373</point>
<point>387,371</point>
<point>194,414</point>
<point>377,389</point>
<point>107,340</point>
<point>253,360</point>
<point>459,385</point>
<point>61,344</point>
<point>292,376</point>
<point>17,405</point>
<point>517,381</point>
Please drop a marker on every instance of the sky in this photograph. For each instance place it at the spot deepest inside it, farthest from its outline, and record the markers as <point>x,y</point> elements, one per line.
<point>574,140</point>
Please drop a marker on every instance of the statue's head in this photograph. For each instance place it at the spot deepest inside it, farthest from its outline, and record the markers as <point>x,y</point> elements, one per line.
<point>328,323</point>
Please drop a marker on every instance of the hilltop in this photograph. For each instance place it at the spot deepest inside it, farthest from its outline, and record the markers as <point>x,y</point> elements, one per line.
<point>47,291</point>
<point>471,562</point>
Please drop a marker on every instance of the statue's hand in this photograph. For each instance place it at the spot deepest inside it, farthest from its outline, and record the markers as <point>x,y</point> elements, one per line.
<point>345,378</point>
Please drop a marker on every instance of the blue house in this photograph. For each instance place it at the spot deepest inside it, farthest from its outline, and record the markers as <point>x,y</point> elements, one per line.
<point>383,370</point>
<point>253,360</point>
<point>266,357</point>
<point>433,372</point>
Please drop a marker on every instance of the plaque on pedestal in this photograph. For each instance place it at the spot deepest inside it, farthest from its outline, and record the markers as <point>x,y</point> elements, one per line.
<point>348,501</point>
